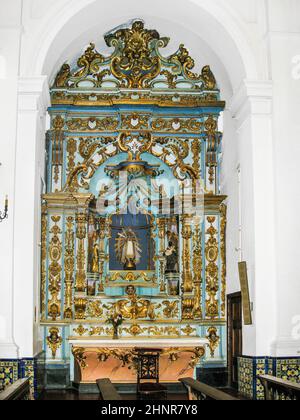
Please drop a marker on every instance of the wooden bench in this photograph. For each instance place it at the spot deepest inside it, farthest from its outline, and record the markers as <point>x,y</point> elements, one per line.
<point>20,390</point>
<point>278,389</point>
<point>200,391</point>
<point>107,390</point>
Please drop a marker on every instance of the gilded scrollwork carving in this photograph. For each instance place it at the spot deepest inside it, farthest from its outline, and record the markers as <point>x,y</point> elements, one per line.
<point>43,260</point>
<point>196,150</point>
<point>94,153</point>
<point>135,122</point>
<point>223,213</point>
<point>81,232</point>
<point>69,267</point>
<point>173,151</point>
<point>56,135</point>
<point>55,254</point>
<point>131,277</point>
<point>134,330</point>
<point>213,138</point>
<point>175,125</point>
<point>212,270</point>
<point>197,270</point>
<point>187,308</point>
<point>171,309</point>
<point>80,308</point>
<point>54,341</point>
<point>214,340</point>
<point>188,330</point>
<point>80,330</point>
<point>136,63</point>
<point>80,357</point>
<point>134,308</point>
<point>94,309</point>
<point>186,257</point>
<point>93,124</point>
<point>71,149</point>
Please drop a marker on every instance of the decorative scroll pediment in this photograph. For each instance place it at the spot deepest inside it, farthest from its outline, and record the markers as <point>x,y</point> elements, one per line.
<point>136,63</point>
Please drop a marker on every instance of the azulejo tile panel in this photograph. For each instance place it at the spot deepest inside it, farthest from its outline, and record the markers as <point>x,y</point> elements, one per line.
<point>288,369</point>
<point>9,372</point>
<point>251,367</point>
<point>246,376</point>
<point>12,370</point>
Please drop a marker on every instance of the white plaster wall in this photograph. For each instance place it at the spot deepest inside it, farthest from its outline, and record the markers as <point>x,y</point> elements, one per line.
<point>285,54</point>
<point>10,32</point>
<point>253,40</point>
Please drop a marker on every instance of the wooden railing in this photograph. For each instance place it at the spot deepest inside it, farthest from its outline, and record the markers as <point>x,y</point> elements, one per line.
<point>20,390</point>
<point>278,389</point>
<point>200,391</point>
<point>107,390</point>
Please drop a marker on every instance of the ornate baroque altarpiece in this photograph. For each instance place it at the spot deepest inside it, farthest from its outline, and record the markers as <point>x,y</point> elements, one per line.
<point>133,226</point>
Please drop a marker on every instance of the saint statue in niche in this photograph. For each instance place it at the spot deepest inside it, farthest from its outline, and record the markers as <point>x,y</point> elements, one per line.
<point>171,254</point>
<point>96,254</point>
<point>128,249</point>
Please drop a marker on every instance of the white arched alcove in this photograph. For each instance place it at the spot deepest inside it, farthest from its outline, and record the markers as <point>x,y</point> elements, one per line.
<point>214,36</point>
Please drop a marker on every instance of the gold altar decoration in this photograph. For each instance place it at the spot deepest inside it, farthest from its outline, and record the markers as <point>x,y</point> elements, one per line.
<point>93,124</point>
<point>128,356</point>
<point>175,125</point>
<point>80,287</point>
<point>133,307</point>
<point>197,270</point>
<point>135,122</point>
<point>186,256</point>
<point>57,138</point>
<point>213,142</point>
<point>144,278</point>
<point>223,212</point>
<point>80,330</point>
<point>211,255</point>
<point>69,267</point>
<point>55,253</point>
<point>71,150</point>
<point>44,224</point>
<point>80,357</point>
<point>81,232</point>
<point>54,341</point>
<point>173,151</point>
<point>196,150</point>
<point>135,64</point>
<point>214,340</point>
<point>80,305</point>
<point>95,309</point>
<point>187,308</point>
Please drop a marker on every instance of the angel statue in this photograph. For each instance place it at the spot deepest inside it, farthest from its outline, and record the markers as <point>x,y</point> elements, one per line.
<point>128,249</point>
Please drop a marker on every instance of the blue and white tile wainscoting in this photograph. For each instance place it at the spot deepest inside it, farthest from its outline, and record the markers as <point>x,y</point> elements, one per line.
<point>251,367</point>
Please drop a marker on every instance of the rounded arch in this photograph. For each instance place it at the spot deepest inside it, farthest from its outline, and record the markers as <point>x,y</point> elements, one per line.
<point>210,27</point>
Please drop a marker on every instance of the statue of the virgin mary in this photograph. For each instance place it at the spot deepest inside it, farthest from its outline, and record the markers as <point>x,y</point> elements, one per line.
<point>128,249</point>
